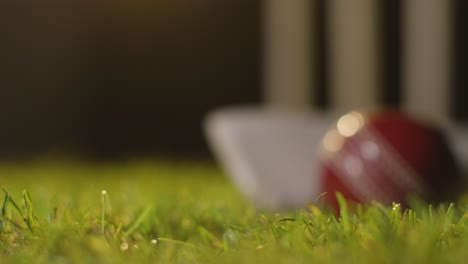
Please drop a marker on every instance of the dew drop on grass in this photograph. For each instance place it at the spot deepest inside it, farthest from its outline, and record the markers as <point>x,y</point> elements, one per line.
<point>229,239</point>
<point>124,246</point>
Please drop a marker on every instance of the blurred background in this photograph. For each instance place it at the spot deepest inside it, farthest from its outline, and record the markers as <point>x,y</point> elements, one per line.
<point>116,79</point>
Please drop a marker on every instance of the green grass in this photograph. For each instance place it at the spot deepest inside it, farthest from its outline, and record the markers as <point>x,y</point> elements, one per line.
<point>161,212</point>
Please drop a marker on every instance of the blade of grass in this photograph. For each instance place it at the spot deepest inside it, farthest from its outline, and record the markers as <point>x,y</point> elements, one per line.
<point>5,204</point>
<point>209,236</point>
<point>14,204</point>
<point>117,231</point>
<point>138,221</point>
<point>30,219</point>
<point>344,216</point>
<point>103,210</point>
<point>9,200</point>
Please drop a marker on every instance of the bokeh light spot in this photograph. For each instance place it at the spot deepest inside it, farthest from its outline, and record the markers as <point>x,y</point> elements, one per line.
<point>333,141</point>
<point>349,124</point>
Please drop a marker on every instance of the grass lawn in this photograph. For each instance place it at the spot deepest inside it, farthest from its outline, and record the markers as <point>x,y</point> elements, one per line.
<point>161,212</point>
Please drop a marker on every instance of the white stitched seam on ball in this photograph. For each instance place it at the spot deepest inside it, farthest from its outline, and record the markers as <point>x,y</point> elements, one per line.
<point>361,186</point>
<point>397,169</point>
<point>383,189</point>
<point>400,172</point>
<point>375,191</point>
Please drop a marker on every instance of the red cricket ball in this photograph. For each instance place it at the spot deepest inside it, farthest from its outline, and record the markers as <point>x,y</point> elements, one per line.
<point>386,156</point>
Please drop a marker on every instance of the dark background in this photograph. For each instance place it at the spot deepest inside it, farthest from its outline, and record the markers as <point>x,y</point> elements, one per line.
<point>112,79</point>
